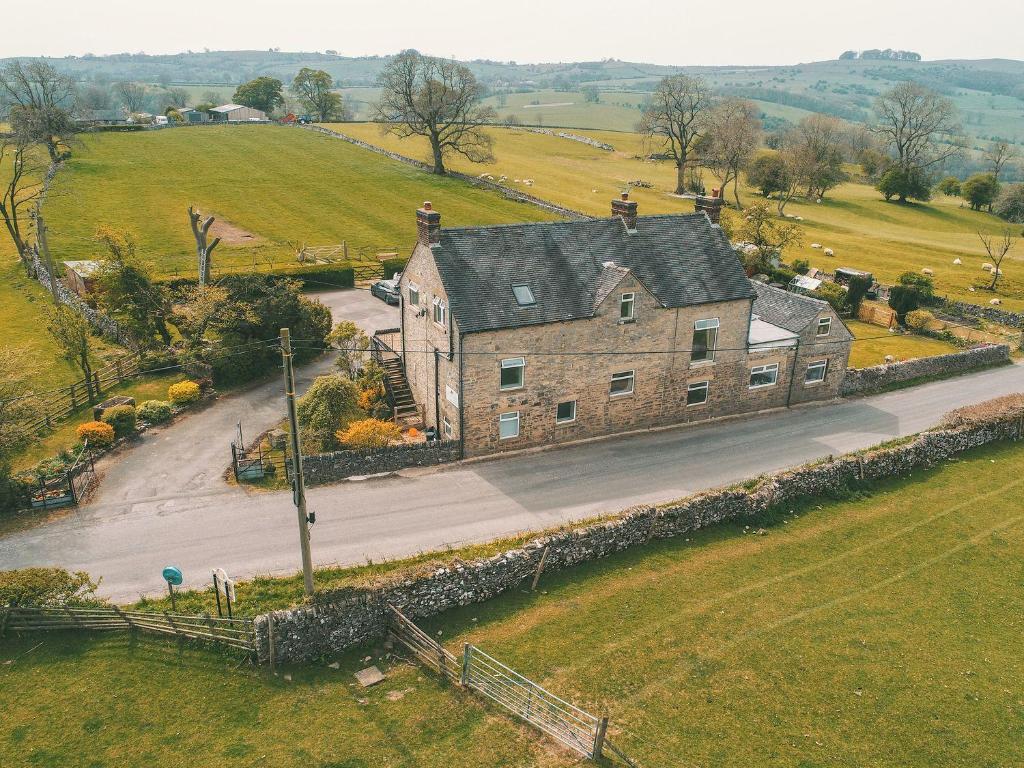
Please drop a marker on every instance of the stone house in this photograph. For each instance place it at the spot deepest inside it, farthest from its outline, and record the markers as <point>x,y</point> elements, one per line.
<point>526,335</point>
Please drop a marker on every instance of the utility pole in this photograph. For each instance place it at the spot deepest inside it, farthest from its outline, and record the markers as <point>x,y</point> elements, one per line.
<point>298,483</point>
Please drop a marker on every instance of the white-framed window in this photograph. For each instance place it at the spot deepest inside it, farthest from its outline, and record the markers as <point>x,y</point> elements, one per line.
<point>513,370</point>
<point>622,383</point>
<point>524,296</point>
<point>697,393</point>
<point>626,302</point>
<point>446,427</point>
<point>764,375</point>
<point>816,371</point>
<point>824,326</point>
<point>440,312</point>
<point>705,339</point>
<point>508,425</point>
<point>414,295</point>
<point>565,412</point>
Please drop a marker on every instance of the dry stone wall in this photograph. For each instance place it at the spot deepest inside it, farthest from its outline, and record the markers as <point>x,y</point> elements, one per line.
<point>331,467</point>
<point>347,618</point>
<point>864,381</point>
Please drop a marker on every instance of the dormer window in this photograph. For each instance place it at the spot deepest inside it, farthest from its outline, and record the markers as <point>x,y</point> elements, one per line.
<point>824,326</point>
<point>626,302</point>
<point>523,294</point>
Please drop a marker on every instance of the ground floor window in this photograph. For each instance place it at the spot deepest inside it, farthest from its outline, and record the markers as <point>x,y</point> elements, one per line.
<point>446,427</point>
<point>508,425</point>
<point>622,383</point>
<point>697,393</point>
<point>816,372</point>
<point>565,412</point>
<point>764,375</point>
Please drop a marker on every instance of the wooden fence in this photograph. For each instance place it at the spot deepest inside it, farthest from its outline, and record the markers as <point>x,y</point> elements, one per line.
<point>569,725</point>
<point>69,399</point>
<point>234,633</point>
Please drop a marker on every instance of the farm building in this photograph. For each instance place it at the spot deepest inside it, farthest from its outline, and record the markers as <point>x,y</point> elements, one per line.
<point>236,113</point>
<point>79,275</point>
<point>192,115</point>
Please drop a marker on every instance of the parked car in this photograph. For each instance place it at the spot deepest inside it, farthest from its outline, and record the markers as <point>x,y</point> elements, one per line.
<point>386,290</point>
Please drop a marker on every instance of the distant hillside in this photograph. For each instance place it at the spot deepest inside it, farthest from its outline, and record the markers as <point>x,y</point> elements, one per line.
<point>989,92</point>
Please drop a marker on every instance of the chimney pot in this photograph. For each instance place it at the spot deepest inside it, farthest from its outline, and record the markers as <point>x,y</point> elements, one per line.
<point>428,207</point>
<point>712,206</point>
<point>428,225</point>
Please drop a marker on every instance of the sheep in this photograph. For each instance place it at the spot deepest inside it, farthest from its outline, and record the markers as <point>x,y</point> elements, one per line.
<point>799,218</point>
<point>996,272</point>
<point>593,190</point>
<point>516,181</point>
<point>970,288</point>
<point>986,267</point>
<point>927,271</point>
<point>957,261</point>
<point>815,245</point>
<point>890,359</point>
<point>829,252</point>
<point>995,302</point>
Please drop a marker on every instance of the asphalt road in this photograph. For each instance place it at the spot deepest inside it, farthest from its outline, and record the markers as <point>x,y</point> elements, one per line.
<point>152,512</point>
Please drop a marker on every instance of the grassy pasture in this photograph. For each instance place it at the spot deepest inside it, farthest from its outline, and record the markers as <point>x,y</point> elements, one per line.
<point>284,187</point>
<point>879,630</point>
<point>864,231</point>
<point>874,343</point>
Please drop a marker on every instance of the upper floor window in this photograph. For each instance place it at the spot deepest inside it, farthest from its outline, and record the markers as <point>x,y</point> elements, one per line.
<point>414,294</point>
<point>705,339</point>
<point>440,312</point>
<point>764,375</point>
<point>626,302</point>
<point>622,383</point>
<point>824,326</point>
<point>512,372</point>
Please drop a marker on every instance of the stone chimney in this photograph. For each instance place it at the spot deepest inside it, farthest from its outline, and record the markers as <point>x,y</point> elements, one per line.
<point>712,206</point>
<point>428,225</point>
<point>626,209</point>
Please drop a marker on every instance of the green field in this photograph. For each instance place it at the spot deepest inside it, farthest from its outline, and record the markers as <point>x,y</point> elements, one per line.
<point>863,230</point>
<point>876,631</point>
<point>279,187</point>
<point>875,342</point>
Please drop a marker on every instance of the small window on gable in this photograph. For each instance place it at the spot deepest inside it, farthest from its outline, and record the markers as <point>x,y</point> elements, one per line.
<point>523,294</point>
<point>626,302</point>
<point>414,294</point>
<point>440,312</point>
<point>824,326</point>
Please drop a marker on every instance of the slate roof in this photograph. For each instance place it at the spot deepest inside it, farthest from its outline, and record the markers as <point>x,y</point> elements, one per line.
<point>789,310</point>
<point>682,260</point>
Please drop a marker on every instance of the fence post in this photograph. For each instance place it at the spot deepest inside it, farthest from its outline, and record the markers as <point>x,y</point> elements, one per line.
<point>441,666</point>
<point>96,384</point>
<point>127,621</point>
<point>234,462</point>
<point>117,366</point>
<point>602,729</point>
<point>270,640</point>
<point>466,654</point>
<point>74,400</point>
<point>540,567</point>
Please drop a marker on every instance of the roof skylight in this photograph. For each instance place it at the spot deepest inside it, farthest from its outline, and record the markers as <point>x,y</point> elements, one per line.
<point>523,294</point>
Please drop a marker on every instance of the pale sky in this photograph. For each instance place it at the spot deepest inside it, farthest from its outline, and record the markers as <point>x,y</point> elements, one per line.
<point>679,32</point>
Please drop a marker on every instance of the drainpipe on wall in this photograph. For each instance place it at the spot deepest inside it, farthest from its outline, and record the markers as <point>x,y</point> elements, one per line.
<point>437,388</point>
<point>462,398</point>
<point>792,372</point>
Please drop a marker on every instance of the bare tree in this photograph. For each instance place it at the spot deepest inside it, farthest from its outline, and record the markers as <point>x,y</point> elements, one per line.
<point>678,114</point>
<point>817,143</point>
<point>22,169</point>
<point>74,336</point>
<point>919,126</point>
<point>734,134</point>
<point>438,99</point>
<point>998,155</point>
<point>203,249</point>
<point>39,100</point>
<point>996,253</point>
<point>132,96</point>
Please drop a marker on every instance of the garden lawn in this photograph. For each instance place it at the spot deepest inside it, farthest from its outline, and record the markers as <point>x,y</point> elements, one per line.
<point>863,230</point>
<point>874,342</point>
<point>280,188</point>
<point>874,631</point>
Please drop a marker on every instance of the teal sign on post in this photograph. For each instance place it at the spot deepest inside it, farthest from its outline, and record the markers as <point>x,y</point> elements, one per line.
<point>172,575</point>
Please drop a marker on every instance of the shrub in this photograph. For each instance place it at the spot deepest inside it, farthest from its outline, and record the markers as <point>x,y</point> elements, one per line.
<point>905,183</point>
<point>46,587</point>
<point>949,186</point>
<point>155,411</point>
<point>369,433</point>
<point>329,400</point>
<point>997,409</point>
<point>856,290</point>
<point>980,190</point>
<point>319,276</point>
<point>98,433</point>
<point>919,319</point>
<point>183,393</point>
<point>832,293</point>
<point>15,492</point>
<point>904,299</point>
<point>121,418</point>
<point>1010,203</point>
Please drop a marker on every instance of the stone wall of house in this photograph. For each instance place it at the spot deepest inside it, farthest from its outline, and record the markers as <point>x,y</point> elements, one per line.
<point>346,618</point>
<point>322,468</point>
<point>833,348</point>
<point>864,381</point>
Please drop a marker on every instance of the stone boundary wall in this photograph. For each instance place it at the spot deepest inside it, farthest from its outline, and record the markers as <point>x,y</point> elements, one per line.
<point>573,137</point>
<point>981,312</point>
<point>863,381</point>
<point>331,467</point>
<point>511,194</point>
<point>352,617</point>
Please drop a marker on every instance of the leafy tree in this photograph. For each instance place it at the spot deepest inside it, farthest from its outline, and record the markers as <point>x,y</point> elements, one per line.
<point>40,100</point>
<point>351,343</point>
<point>734,135</point>
<point>440,100</point>
<point>905,183</point>
<point>678,115</point>
<point>980,191</point>
<point>74,336</point>
<point>769,174</point>
<point>126,291</point>
<point>833,293</point>
<point>768,233</point>
<point>263,93</point>
<point>590,94</point>
<point>910,292</point>
<point>329,402</point>
<point>856,290</point>
<point>949,186</point>
<point>314,89</point>
<point>1010,203</point>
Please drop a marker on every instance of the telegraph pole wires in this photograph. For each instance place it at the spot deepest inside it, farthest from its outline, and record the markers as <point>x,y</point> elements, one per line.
<point>298,483</point>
